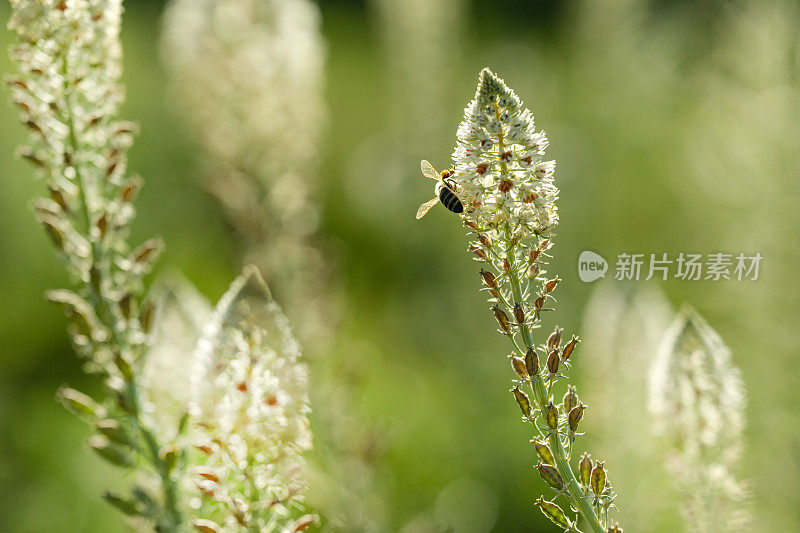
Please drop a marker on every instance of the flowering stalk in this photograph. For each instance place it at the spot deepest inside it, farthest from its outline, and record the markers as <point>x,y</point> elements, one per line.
<point>250,413</point>
<point>697,401</point>
<point>68,55</point>
<point>508,195</point>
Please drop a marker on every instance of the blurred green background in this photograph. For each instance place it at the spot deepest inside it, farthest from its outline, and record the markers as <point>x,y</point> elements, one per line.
<point>676,127</point>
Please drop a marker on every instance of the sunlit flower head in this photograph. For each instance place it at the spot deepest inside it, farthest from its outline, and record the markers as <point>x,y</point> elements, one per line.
<point>500,174</point>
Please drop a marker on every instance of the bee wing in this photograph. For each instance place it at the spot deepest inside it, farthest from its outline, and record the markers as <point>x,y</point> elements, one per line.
<point>428,171</point>
<point>424,208</point>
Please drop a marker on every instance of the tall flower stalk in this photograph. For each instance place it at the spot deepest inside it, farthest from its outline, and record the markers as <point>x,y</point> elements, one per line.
<point>697,400</point>
<point>509,201</point>
<point>69,59</point>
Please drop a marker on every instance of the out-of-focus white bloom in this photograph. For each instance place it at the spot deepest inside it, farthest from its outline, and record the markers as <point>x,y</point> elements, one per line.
<point>181,313</point>
<point>500,173</point>
<point>697,401</point>
<point>250,407</point>
<point>623,326</point>
<point>248,75</point>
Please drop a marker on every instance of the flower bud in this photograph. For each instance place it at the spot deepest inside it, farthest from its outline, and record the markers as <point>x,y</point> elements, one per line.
<point>485,241</point>
<point>553,361</point>
<point>518,364</point>
<point>574,417</point>
<point>570,347</point>
<point>506,266</point>
<point>554,340</point>
<point>532,362</point>
<point>523,401</point>
<point>502,319</point>
<point>598,480</point>
<point>519,314</point>
<point>533,271</point>
<point>570,398</point>
<point>550,475</point>
<point>543,451</point>
<point>533,256</point>
<point>554,513</point>
<point>585,469</point>
<point>551,415</point>
<point>488,278</point>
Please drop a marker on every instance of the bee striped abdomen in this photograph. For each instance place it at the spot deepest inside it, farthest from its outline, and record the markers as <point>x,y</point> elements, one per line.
<point>450,200</point>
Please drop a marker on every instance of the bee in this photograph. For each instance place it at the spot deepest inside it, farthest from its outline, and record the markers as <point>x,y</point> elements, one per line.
<point>444,190</point>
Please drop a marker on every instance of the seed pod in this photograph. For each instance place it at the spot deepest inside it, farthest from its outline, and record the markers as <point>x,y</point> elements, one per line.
<point>518,364</point>
<point>485,241</point>
<point>570,399</point>
<point>113,431</point>
<point>532,362</point>
<point>574,417</point>
<point>146,316</point>
<point>147,251</point>
<point>127,507</point>
<point>54,232</point>
<point>543,451</point>
<point>206,473</point>
<point>494,293</point>
<point>110,452</point>
<point>131,188</point>
<point>585,469</point>
<point>554,513</point>
<point>506,266</point>
<point>570,347</point>
<point>614,529</point>
<point>125,305</point>
<point>545,245</point>
<point>123,366</point>
<point>598,481</point>
<point>502,319</point>
<point>554,340</point>
<point>553,361</point>
<point>169,456</point>
<point>533,256</point>
<point>523,401</point>
<point>57,195</point>
<point>480,253</point>
<point>205,526</point>
<point>304,522</point>
<point>551,415</point>
<point>519,314</point>
<point>551,285</point>
<point>78,403</point>
<point>533,271</point>
<point>550,475</point>
<point>538,303</point>
<point>488,278</point>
